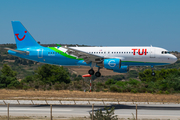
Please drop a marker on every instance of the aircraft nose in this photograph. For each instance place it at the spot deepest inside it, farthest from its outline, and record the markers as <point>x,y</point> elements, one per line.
<point>174,58</point>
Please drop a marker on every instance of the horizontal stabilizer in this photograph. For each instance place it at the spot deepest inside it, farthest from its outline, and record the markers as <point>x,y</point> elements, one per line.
<point>18,51</point>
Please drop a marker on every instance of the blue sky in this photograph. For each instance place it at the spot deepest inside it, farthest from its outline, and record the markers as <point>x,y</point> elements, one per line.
<point>95,22</point>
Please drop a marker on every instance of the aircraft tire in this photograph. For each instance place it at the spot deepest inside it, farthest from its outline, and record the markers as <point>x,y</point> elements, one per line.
<point>97,74</point>
<point>91,72</point>
<point>153,73</point>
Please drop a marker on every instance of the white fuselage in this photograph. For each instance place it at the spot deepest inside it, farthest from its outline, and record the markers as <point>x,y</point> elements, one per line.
<point>135,54</point>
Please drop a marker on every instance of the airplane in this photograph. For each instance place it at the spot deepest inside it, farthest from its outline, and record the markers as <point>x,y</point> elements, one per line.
<point>117,59</point>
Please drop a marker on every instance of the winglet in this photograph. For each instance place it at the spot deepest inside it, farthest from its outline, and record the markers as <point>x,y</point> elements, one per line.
<point>58,45</point>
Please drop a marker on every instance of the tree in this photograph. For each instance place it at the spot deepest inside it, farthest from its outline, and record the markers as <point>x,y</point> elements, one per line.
<point>7,71</point>
<point>8,77</point>
<point>51,74</point>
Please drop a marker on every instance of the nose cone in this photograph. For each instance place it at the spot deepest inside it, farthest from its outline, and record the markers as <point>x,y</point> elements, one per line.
<point>173,58</point>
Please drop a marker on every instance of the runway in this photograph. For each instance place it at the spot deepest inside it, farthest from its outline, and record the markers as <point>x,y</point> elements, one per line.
<point>171,111</point>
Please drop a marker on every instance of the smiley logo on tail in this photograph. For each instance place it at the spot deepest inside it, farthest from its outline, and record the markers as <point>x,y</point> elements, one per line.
<point>20,39</point>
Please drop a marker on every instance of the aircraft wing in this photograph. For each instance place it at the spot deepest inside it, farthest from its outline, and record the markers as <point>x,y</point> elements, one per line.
<point>18,51</point>
<point>88,57</point>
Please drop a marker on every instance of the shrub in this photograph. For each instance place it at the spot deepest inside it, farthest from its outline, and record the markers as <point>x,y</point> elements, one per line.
<point>25,87</point>
<point>107,115</point>
<point>114,88</point>
<point>110,82</point>
<point>132,74</point>
<point>134,90</point>
<point>57,86</point>
<point>118,77</point>
<point>133,82</point>
<point>97,90</point>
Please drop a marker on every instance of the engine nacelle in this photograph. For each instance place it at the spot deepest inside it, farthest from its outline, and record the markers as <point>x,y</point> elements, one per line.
<point>123,69</point>
<point>115,65</point>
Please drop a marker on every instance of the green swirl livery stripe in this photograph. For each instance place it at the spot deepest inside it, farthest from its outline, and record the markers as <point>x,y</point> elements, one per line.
<point>63,54</point>
<point>72,57</point>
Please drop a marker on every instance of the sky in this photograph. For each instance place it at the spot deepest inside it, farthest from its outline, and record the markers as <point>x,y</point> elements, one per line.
<point>95,22</point>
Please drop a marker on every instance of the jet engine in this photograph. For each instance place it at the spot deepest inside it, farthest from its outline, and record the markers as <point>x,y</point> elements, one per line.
<point>115,65</point>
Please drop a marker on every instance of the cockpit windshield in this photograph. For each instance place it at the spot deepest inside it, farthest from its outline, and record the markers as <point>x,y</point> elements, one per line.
<point>165,52</point>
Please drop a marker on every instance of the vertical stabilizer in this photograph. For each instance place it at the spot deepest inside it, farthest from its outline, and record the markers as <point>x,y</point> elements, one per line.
<point>22,37</point>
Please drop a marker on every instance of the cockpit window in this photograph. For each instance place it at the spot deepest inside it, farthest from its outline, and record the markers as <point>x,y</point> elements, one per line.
<point>165,52</point>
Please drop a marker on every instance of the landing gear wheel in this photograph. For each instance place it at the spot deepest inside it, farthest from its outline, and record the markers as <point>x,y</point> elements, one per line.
<point>97,74</point>
<point>91,72</point>
<point>153,73</point>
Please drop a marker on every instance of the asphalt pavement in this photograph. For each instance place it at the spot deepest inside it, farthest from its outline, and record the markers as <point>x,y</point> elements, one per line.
<point>168,111</point>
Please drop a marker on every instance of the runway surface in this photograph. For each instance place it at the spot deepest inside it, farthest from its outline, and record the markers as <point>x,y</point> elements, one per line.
<point>171,111</point>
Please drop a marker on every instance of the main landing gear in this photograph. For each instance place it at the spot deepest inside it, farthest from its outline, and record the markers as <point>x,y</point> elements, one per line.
<point>153,73</point>
<point>91,71</point>
<point>97,74</point>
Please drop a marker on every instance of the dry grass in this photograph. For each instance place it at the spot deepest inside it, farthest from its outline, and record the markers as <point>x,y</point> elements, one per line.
<point>40,118</point>
<point>84,70</point>
<point>79,95</point>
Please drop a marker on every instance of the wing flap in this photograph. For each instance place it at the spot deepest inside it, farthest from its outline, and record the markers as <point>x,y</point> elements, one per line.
<point>84,55</point>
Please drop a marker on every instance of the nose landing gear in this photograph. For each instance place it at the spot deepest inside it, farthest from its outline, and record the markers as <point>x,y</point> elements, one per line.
<point>153,73</point>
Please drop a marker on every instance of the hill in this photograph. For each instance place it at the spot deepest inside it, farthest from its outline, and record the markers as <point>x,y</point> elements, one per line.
<point>26,67</point>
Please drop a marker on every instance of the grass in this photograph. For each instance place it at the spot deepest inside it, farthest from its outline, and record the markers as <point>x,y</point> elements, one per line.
<point>80,95</point>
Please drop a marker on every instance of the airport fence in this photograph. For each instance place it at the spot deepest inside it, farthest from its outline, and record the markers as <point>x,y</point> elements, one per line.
<point>51,103</point>
<point>76,102</point>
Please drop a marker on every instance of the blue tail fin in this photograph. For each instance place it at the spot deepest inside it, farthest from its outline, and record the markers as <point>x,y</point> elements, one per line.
<point>22,36</point>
